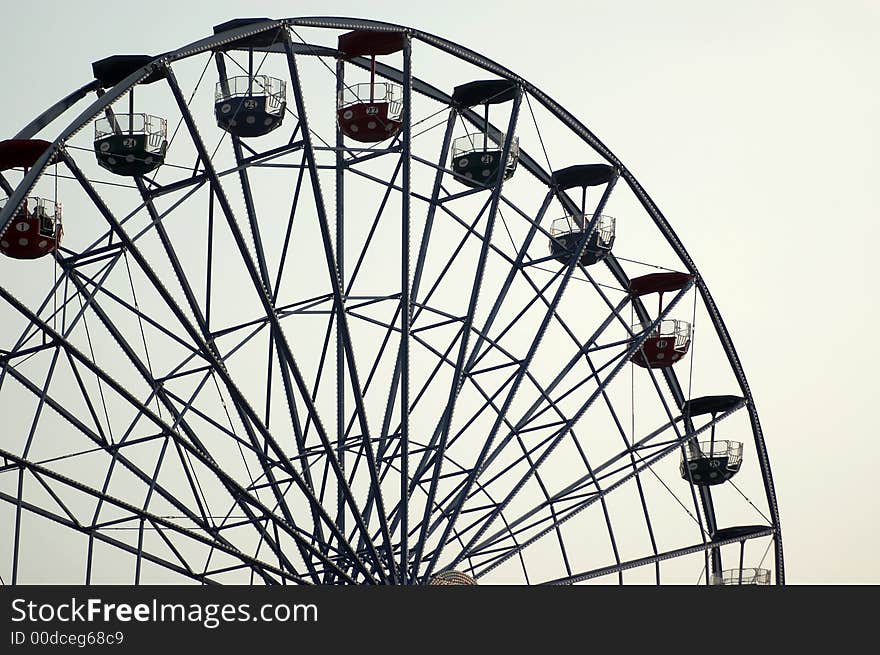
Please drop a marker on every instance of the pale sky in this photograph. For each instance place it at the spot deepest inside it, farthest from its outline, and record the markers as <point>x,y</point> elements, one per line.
<point>753,126</point>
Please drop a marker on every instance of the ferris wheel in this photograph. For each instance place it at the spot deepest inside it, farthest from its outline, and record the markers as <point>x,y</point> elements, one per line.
<point>339,301</point>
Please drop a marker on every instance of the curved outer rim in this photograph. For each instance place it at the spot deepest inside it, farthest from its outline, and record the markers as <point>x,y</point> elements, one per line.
<point>215,41</point>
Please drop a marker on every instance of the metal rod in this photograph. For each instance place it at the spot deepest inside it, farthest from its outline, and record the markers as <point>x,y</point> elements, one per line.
<point>340,262</point>
<point>406,313</point>
<point>654,559</point>
<point>372,77</point>
<point>340,304</point>
<point>250,72</point>
<point>486,130</point>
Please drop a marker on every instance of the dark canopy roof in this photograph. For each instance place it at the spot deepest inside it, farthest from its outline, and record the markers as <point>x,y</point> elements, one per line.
<point>261,40</point>
<point>21,153</point>
<point>370,42</point>
<point>583,175</point>
<point>710,405</point>
<point>484,92</point>
<point>658,283</point>
<point>739,532</point>
<point>112,70</point>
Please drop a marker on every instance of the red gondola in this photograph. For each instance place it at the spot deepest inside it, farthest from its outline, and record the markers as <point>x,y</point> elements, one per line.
<point>370,112</point>
<point>35,228</point>
<point>670,339</point>
<point>34,231</point>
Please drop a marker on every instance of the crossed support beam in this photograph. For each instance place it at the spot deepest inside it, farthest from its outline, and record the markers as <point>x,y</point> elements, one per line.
<point>252,507</point>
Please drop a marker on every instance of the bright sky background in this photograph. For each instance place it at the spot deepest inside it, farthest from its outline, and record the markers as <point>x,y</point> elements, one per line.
<point>753,125</point>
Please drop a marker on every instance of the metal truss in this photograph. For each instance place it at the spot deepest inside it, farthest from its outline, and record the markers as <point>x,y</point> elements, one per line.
<point>332,431</point>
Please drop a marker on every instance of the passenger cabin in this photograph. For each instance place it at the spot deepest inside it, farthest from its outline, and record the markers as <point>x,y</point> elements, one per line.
<point>129,144</point>
<point>34,229</point>
<point>741,576</point>
<point>711,462</point>
<point>249,105</point>
<point>477,157</point>
<point>567,233</point>
<point>669,340</point>
<point>372,111</point>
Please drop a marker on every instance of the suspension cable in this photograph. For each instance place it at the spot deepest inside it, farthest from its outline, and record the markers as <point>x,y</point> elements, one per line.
<point>97,378</point>
<point>538,130</point>
<point>141,326</point>
<point>764,516</point>
<point>189,102</point>
<point>635,261</point>
<point>693,346</point>
<point>766,550</point>
<point>232,428</point>
<point>702,573</point>
<point>691,366</point>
